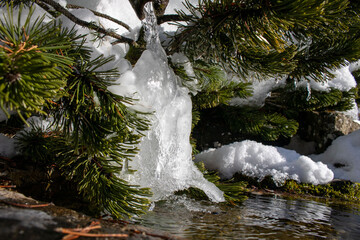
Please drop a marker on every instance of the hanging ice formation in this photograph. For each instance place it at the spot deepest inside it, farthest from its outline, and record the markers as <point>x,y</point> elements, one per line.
<point>164,162</point>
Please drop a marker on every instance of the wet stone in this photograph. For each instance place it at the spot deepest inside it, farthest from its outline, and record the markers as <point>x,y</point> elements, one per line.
<point>20,219</point>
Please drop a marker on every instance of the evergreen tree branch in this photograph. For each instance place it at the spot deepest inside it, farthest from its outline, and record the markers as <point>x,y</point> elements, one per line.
<point>73,6</point>
<point>32,72</point>
<point>252,36</point>
<point>90,25</point>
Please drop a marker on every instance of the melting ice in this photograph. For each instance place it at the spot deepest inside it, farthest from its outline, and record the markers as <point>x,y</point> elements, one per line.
<point>164,162</point>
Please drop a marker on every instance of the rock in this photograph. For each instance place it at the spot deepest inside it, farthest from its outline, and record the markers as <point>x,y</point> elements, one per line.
<point>300,146</point>
<point>23,218</point>
<point>322,128</point>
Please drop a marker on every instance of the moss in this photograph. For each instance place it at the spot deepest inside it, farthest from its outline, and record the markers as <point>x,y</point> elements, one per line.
<point>341,190</point>
<point>234,191</point>
<point>336,190</point>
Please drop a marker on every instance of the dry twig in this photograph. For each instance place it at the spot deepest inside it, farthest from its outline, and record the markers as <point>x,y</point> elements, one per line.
<point>26,205</point>
<point>73,233</point>
<point>7,186</point>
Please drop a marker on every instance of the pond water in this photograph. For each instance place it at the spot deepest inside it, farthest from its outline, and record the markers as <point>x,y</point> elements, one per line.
<point>259,217</point>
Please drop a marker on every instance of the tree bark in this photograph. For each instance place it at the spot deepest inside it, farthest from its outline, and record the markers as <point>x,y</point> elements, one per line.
<point>159,7</point>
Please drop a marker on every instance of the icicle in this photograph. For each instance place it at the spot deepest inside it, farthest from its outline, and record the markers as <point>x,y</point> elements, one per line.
<point>152,31</point>
<point>164,162</point>
<point>308,88</point>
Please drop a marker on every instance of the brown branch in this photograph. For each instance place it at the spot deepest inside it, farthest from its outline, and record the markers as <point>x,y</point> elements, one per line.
<point>97,235</point>
<point>47,8</point>
<point>72,6</point>
<point>26,205</point>
<point>90,25</point>
<point>7,186</point>
<point>93,225</point>
<point>138,6</point>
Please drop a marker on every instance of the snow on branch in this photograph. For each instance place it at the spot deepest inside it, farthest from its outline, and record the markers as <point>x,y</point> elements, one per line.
<point>90,25</point>
<point>73,6</point>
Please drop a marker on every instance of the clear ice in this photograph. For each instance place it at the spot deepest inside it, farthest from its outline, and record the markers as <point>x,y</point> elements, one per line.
<point>164,162</point>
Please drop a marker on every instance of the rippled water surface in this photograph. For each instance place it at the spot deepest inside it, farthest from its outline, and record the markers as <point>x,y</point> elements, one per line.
<point>259,217</point>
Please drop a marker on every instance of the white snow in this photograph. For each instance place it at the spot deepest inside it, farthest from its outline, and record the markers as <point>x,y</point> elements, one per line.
<point>340,161</point>
<point>261,90</point>
<point>354,66</point>
<point>257,160</point>
<point>343,80</point>
<point>171,9</point>
<point>345,152</point>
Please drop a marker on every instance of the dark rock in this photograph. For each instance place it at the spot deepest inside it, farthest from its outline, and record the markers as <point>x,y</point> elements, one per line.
<point>20,219</point>
<point>322,128</point>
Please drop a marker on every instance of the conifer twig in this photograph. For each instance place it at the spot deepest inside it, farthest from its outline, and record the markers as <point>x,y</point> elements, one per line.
<point>90,25</point>
<point>73,6</point>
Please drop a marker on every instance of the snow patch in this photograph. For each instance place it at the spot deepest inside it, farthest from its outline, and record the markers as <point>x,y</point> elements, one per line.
<point>343,157</point>
<point>258,160</point>
<point>343,80</point>
<point>261,90</point>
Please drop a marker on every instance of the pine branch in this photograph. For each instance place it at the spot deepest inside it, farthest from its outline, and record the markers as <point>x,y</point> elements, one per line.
<point>90,25</point>
<point>15,3</point>
<point>32,71</point>
<point>252,37</point>
<point>93,172</point>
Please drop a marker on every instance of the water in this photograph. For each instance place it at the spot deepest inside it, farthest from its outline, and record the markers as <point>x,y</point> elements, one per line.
<point>259,217</point>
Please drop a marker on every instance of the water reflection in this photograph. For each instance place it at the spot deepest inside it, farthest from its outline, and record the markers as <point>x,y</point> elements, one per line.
<point>259,217</point>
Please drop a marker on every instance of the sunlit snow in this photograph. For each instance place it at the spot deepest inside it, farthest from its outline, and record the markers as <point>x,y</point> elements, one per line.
<point>257,160</point>
<point>343,157</point>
